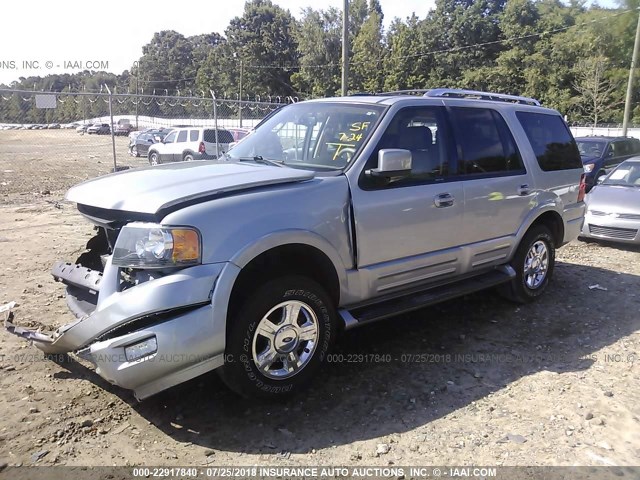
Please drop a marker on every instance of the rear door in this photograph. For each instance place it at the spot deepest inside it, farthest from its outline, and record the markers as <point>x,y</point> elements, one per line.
<point>497,187</point>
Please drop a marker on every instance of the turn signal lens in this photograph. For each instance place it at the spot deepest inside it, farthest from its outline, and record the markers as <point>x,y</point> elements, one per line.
<point>186,245</point>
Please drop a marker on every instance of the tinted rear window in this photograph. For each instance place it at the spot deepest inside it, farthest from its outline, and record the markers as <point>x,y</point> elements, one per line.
<point>487,145</point>
<point>224,136</point>
<point>551,141</point>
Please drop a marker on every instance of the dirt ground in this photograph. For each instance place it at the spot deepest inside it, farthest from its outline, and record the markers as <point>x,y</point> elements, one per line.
<point>478,381</point>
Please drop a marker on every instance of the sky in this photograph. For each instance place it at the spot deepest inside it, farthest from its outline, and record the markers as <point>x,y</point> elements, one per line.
<point>75,35</point>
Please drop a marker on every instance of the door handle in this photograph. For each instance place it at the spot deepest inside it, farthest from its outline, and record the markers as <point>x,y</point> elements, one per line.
<point>444,200</point>
<point>524,189</point>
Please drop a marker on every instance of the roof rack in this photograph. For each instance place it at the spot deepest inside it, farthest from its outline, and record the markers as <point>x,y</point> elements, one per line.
<point>455,93</point>
<point>415,91</point>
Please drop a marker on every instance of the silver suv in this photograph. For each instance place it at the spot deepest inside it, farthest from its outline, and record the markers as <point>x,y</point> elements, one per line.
<point>333,214</point>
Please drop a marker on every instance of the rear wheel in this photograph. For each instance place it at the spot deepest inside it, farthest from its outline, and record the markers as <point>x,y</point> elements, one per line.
<point>187,157</point>
<point>533,262</point>
<point>154,158</point>
<point>278,339</point>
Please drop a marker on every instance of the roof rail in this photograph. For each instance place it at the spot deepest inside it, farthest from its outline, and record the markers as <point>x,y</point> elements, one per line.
<point>455,93</point>
<point>413,91</point>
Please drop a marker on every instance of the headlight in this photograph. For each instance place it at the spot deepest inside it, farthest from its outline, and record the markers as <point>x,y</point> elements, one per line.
<point>144,245</point>
<point>588,167</point>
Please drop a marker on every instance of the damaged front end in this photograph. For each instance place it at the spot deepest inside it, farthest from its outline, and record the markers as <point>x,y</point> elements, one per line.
<point>143,303</point>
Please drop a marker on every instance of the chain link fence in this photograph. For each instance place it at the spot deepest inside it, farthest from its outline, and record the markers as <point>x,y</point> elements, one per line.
<point>606,129</point>
<point>73,126</point>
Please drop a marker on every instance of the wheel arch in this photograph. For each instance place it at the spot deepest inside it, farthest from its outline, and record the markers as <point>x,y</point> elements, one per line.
<point>551,219</point>
<point>272,258</point>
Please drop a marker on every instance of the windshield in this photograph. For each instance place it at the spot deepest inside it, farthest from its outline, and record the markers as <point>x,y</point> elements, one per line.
<point>627,174</point>
<point>591,148</point>
<point>318,136</point>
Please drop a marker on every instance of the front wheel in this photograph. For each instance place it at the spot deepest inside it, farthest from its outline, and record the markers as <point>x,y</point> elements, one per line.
<point>154,158</point>
<point>533,262</point>
<point>279,338</point>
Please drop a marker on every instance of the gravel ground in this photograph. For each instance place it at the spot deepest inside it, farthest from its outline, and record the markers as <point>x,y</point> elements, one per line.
<point>474,381</point>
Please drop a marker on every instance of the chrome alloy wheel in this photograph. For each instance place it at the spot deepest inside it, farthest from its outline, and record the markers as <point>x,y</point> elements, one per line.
<point>536,265</point>
<point>285,339</point>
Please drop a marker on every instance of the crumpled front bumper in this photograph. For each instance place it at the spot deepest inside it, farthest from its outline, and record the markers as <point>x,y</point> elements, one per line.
<point>176,309</point>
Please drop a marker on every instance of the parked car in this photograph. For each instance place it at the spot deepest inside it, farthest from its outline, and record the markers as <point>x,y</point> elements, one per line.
<point>188,144</point>
<point>82,128</point>
<point>158,132</point>
<point>613,206</point>
<point>239,133</point>
<point>602,154</point>
<point>333,214</point>
<point>99,129</point>
<point>123,127</point>
<point>140,146</point>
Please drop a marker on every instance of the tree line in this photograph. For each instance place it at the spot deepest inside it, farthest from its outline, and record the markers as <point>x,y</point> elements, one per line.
<point>571,56</point>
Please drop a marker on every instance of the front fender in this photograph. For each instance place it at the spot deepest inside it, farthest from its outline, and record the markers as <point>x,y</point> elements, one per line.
<point>289,237</point>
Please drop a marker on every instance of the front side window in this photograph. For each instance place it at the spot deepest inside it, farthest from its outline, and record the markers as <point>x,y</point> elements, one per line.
<point>170,138</point>
<point>486,144</point>
<point>551,141</point>
<point>315,135</point>
<point>422,131</point>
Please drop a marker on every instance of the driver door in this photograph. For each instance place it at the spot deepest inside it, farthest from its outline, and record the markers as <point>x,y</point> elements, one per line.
<point>408,230</point>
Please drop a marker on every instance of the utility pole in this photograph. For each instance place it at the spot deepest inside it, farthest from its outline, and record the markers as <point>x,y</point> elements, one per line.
<point>345,48</point>
<point>113,138</point>
<point>634,63</point>
<point>137,64</point>
<point>240,97</point>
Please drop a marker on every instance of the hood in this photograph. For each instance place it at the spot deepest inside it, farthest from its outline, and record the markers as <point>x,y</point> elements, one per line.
<point>152,189</point>
<point>612,199</point>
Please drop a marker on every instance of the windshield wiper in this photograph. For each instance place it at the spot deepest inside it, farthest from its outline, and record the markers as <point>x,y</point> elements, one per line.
<point>260,159</point>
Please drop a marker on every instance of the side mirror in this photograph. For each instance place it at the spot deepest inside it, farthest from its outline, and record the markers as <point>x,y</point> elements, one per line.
<point>600,179</point>
<point>392,162</point>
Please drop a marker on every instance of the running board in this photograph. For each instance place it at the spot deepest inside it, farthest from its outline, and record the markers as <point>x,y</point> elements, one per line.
<point>358,316</point>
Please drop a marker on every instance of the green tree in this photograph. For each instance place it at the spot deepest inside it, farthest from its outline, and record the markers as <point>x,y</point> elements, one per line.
<point>263,40</point>
<point>368,52</point>
<point>404,64</point>
<point>319,39</point>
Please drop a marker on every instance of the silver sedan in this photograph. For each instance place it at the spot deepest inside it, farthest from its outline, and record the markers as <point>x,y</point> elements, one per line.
<point>613,206</point>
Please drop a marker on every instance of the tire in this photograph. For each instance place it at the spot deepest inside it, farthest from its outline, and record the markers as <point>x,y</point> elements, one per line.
<point>154,158</point>
<point>187,157</point>
<point>134,151</point>
<point>260,329</point>
<point>536,250</point>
